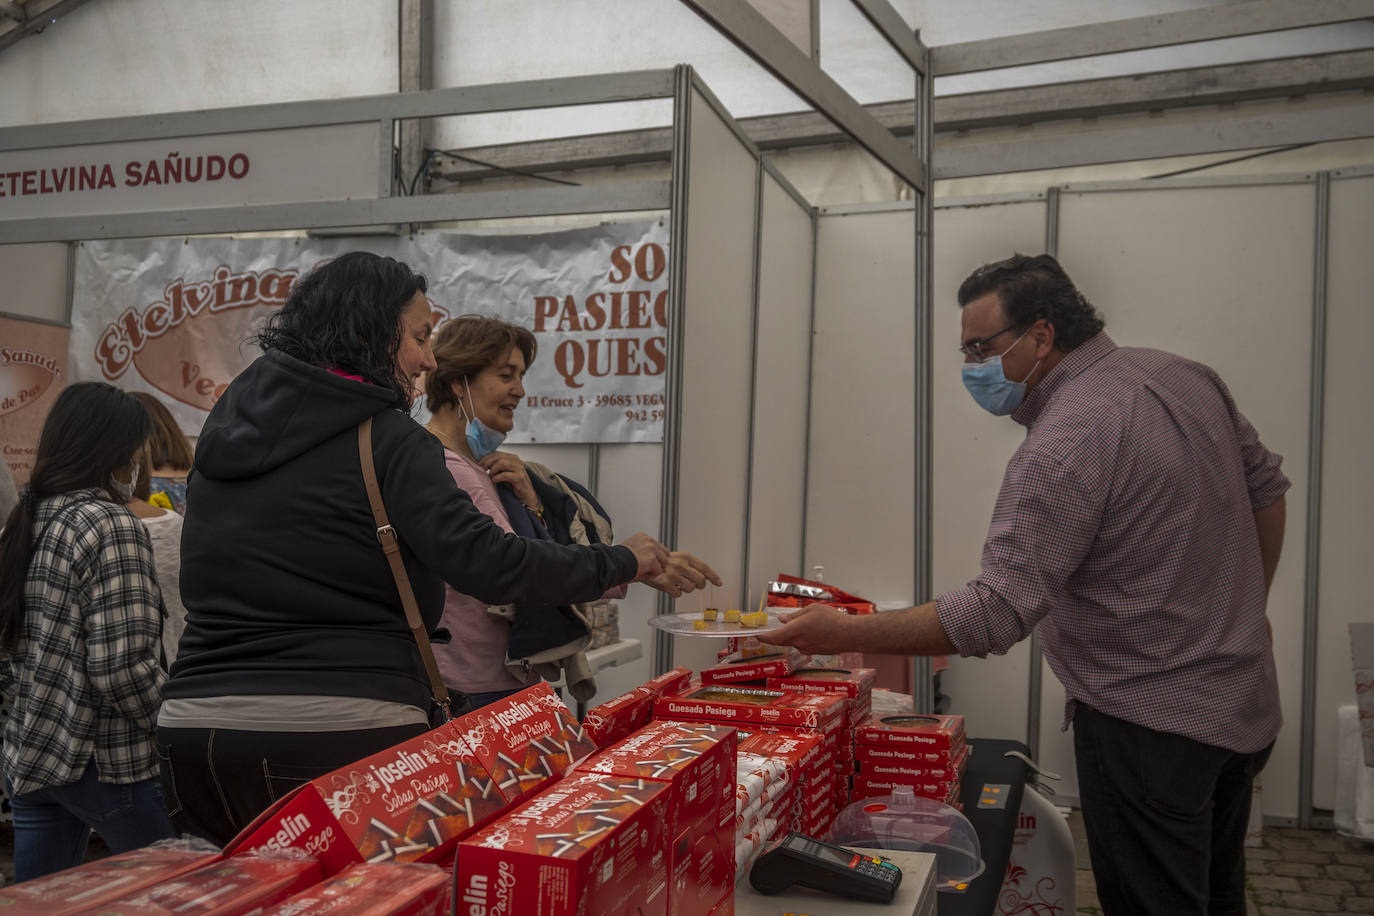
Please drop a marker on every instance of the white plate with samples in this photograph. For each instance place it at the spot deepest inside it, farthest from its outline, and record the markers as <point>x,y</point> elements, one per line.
<point>695,625</point>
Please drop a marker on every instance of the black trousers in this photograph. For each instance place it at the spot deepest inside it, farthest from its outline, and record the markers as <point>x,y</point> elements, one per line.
<point>215,781</point>
<point>1165,817</point>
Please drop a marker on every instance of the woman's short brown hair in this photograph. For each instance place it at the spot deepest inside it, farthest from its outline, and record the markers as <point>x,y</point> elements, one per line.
<point>169,446</point>
<point>466,345</point>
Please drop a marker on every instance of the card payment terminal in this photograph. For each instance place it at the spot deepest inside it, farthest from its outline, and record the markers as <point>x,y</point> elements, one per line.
<point>811,863</point>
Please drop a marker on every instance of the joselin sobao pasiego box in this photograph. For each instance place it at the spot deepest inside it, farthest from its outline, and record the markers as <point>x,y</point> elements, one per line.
<point>589,845</point>
<point>414,801</point>
<point>391,889</point>
<point>74,890</point>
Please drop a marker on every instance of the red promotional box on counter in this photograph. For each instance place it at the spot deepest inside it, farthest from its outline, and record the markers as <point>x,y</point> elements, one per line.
<point>912,731</point>
<point>392,889</point>
<point>723,703</point>
<point>526,740</point>
<point>735,667</point>
<point>669,682</point>
<point>410,802</point>
<point>883,753</point>
<point>591,845</point>
<point>618,717</point>
<point>229,887</point>
<point>698,760</point>
<point>78,889</point>
<point>907,771</point>
<point>871,787</point>
<point>852,682</point>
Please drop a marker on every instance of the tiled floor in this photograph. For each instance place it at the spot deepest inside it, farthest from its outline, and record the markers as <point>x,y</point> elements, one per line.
<point>1295,872</point>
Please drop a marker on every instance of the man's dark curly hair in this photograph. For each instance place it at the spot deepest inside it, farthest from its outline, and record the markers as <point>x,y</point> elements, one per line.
<point>1031,288</point>
<point>345,314</point>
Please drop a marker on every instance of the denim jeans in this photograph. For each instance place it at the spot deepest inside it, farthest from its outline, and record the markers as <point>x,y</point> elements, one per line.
<point>1165,817</point>
<point>53,825</point>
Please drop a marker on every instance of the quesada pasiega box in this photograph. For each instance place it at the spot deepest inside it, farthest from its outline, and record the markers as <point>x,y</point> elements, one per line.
<point>919,732</point>
<point>590,845</point>
<point>735,668</point>
<point>723,703</point>
<point>77,890</point>
<point>612,720</point>
<point>392,889</point>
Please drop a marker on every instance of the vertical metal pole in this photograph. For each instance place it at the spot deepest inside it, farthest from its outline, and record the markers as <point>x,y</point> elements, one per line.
<point>415,21</point>
<point>386,130</point>
<point>923,681</point>
<point>1312,559</point>
<point>1035,681</point>
<point>593,467</point>
<point>810,366</point>
<point>672,379</point>
<point>753,383</point>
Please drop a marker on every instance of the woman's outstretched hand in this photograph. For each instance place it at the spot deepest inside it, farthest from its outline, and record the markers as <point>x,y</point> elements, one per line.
<point>683,574</point>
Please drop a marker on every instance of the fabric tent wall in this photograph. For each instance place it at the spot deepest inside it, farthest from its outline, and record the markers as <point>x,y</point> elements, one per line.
<point>862,479</point>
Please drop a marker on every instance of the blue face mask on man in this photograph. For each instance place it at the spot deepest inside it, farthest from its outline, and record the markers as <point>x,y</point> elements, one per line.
<point>482,439</point>
<point>989,385</point>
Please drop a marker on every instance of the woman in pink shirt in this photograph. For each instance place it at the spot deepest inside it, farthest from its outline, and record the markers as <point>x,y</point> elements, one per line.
<point>473,393</point>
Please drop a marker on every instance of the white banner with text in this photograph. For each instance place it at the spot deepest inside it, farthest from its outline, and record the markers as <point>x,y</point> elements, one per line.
<point>175,317</point>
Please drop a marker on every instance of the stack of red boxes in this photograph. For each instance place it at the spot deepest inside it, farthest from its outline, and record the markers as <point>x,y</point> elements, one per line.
<point>927,753</point>
<point>393,889</point>
<point>229,887</point>
<point>773,712</point>
<point>699,762</point>
<point>617,718</point>
<point>590,844</point>
<point>78,889</point>
<point>856,686</point>
<point>785,783</point>
<point>413,802</point>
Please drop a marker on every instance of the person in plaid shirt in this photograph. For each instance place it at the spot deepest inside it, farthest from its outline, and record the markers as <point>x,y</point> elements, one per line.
<point>80,631</point>
<point>1138,528</point>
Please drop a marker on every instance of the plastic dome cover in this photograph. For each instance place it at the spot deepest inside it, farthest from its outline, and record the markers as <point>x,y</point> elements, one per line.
<point>903,821</point>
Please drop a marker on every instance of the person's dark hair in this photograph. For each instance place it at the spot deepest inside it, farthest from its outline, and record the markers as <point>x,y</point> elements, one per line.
<point>468,344</point>
<point>169,446</point>
<point>345,314</point>
<point>1031,288</point>
<point>93,430</point>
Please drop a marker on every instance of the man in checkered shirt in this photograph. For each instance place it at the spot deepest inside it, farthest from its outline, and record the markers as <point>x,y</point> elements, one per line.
<point>1138,527</point>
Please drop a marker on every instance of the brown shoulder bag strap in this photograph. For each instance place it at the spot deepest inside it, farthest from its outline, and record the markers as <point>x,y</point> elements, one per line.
<point>386,536</point>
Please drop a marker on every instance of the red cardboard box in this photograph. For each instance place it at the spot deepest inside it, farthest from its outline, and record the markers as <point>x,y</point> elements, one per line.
<point>77,889</point>
<point>852,682</point>
<point>915,731</point>
<point>229,887</point>
<point>869,787</point>
<point>697,759</point>
<point>747,704</point>
<point>702,873</point>
<point>670,682</point>
<point>614,719</point>
<point>878,753</point>
<point>901,771</point>
<point>735,668</point>
<point>591,845</point>
<point>526,740</point>
<point>410,802</point>
<point>393,889</point>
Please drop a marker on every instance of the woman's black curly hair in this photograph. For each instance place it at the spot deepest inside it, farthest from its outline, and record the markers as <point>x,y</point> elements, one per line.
<point>345,314</point>
<point>1031,288</point>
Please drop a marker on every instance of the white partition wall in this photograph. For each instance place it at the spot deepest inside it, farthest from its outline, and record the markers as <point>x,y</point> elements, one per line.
<point>1222,275</point>
<point>861,483</point>
<point>971,451</point>
<point>711,341</point>
<point>777,504</point>
<point>1347,498</point>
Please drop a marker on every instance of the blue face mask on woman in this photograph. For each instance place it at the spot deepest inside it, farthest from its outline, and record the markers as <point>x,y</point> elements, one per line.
<point>482,439</point>
<point>990,387</point>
